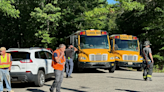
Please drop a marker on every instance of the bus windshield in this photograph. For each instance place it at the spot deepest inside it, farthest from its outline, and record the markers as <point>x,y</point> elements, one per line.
<point>130,45</point>
<point>89,42</point>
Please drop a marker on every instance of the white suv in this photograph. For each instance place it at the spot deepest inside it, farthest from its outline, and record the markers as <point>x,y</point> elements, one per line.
<point>31,65</point>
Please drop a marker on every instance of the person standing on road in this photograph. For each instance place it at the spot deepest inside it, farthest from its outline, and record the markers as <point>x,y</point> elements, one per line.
<point>5,67</point>
<point>58,63</point>
<point>148,61</point>
<point>69,60</point>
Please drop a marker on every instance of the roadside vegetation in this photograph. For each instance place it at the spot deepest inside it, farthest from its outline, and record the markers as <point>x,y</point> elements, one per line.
<point>46,23</point>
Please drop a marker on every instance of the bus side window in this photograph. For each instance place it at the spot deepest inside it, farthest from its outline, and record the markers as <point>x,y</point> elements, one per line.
<point>111,43</point>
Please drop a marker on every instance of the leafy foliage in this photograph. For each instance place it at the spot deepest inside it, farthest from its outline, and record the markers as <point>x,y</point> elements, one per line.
<point>46,23</point>
<point>8,9</point>
<point>48,16</point>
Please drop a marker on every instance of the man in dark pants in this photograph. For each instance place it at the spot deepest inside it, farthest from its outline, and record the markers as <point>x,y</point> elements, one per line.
<point>148,61</point>
<point>69,60</point>
<point>58,63</point>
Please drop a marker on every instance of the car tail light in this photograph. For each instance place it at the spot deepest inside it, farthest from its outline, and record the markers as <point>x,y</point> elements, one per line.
<point>26,61</point>
<point>14,51</point>
<point>28,71</point>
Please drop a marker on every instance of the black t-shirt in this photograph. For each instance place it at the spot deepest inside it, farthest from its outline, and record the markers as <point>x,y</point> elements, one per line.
<point>69,53</point>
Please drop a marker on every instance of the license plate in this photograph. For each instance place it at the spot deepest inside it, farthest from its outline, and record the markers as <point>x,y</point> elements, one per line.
<point>98,64</point>
<point>130,63</point>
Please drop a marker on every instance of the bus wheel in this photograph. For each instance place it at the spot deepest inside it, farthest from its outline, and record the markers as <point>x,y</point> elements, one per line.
<point>111,70</point>
<point>77,68</point>
<point>139,69</point>
<point>80,69</point>
<point>117,67</point>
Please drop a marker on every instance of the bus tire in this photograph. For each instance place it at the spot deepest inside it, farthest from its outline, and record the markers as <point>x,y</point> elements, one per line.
<point>80,69</point>
<point>111,70</point>
<point>139,69</point>
<point>76,66</point>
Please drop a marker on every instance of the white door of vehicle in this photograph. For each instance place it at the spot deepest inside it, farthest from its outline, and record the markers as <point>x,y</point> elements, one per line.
<point>41,60</point>
<point>49,60</point>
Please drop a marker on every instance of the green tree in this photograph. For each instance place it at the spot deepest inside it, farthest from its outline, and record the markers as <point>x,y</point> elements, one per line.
<point>48,16</point>
<point>8,9</point>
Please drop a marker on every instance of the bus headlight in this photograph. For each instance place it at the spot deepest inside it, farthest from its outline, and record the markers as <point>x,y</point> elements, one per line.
<point>117,58</point>
<point>141,58</point>
<point>82,58</point>
<point>111,58</point>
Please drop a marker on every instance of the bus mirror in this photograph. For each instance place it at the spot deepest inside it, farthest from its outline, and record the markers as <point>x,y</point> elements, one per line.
<point>110,51</point>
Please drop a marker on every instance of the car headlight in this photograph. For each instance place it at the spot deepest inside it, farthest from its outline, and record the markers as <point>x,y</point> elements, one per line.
<point>82,58</point>
<point>141,58</point>
<point>111,57</point>
<point>117,58</point>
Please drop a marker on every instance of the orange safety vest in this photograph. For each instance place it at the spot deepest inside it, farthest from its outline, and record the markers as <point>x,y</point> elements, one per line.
<point>5,61</point>
<point>55,64</point>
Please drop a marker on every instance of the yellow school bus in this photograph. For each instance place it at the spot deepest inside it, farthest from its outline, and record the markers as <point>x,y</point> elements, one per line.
<point>93,50</point>
<point>126,49</point>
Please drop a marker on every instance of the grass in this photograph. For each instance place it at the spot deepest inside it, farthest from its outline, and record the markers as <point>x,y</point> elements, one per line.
<point>158,69</point>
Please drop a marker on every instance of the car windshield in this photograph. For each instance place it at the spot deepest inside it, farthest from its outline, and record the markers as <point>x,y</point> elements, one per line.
<point>88,42</point>
<point>130,45</point>
<point>16,56</point>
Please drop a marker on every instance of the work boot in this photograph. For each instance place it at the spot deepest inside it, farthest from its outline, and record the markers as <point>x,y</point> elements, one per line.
<point>70,77</point>
<point>145,79</point>
<point>66,76</point>
<point>149,79</point>
<point>51,90</point>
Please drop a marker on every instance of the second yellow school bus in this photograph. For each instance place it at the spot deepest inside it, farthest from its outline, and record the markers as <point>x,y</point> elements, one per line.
<point>126,49</point>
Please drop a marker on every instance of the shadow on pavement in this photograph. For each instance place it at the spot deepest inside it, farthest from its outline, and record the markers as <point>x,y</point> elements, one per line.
<point>73,90</point>
<point>127,90</point>
<point>35,90</point>
<point>22,85</point>
<point>26,85</point>
<point>91,71</point>
<point>50,79</point>
<point>123,69</point>
<point>70,89</point>
<point>124,78</point>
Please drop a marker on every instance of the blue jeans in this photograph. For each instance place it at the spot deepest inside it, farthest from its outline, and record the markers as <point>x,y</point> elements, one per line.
<point>69,66</point>
<point>4,75</point>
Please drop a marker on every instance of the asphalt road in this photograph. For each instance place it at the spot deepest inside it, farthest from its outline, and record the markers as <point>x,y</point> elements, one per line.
<point>100,80</point>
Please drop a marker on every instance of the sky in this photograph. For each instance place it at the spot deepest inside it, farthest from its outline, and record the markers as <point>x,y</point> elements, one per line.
<point>111,1</point>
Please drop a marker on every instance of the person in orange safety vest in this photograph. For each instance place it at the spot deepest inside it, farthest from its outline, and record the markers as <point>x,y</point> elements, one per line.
<point>58,63</point>
<point>5,67</point>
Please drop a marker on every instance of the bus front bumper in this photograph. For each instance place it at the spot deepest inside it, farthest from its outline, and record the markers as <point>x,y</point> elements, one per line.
<point>96,64</point>
<point>129,64</point>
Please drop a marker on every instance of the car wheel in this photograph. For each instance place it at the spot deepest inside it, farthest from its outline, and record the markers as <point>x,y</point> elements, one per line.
<point>40,80</point>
